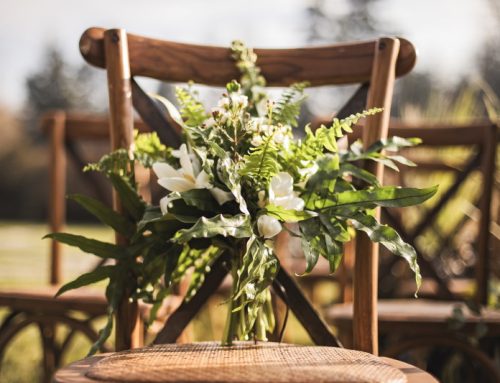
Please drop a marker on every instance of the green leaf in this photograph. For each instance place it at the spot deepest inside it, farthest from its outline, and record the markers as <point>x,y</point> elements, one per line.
<point>172,257</point>
<point>129,198</point>
<point>262,163</point>
<point>387,196</point>
<point>310,242</point>
<point>237,226</point>
<point>100,273</point>
<point>201,199</point>
<point>286,215</point>
<point>93,246</point>
<point>362,174</point>
<point>287,108</point>
<point>393,144</point>
<point>106,215</point>
<point>389,238</point>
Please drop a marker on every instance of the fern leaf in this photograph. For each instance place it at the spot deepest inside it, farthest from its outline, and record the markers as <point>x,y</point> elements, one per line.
<point>262,163</point>
<point>192,110</point>
<point>287,108</point>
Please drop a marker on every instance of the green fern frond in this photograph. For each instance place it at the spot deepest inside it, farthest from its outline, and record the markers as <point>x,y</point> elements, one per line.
<point>262,163</point>
<point>192,110</point>
<point>346,124</point>
<point>287,108</point>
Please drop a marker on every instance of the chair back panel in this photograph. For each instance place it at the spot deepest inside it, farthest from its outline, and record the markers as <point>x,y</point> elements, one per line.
<point>175,62</point>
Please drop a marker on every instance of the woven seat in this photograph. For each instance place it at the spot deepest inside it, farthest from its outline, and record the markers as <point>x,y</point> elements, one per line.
<point>244,362</point>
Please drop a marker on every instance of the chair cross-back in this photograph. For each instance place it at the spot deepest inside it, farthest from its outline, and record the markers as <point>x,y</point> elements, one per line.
<point>373,64</point>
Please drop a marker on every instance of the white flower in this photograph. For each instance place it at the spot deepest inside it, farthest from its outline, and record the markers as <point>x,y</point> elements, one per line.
<point>189,176</point>
<point>281,192</point>
<point>268,226</point>
<point>186,178</point>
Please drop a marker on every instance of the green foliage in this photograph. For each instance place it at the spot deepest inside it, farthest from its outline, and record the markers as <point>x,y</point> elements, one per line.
<point>262,163</point>
<point>101,249</point>
<point>148,149</point>
<point>105,214</point>
<point>237,226</point>
<point>192,110</point>
<point>287,108</point>
<point>100,273</point>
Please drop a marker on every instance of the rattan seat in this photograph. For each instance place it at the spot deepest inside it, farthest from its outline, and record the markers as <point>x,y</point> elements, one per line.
<point>243,362</point>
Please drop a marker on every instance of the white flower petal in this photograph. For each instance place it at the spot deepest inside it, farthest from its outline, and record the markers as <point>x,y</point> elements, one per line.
<point>290,202</point>
<point>163,170</point>
<point>176,184</point>
<point>268,226</point>
<point>185,160</point>
<point>282,184</point>
<point>221,196</point>
<point>203,181</point>
<point>164,204</point>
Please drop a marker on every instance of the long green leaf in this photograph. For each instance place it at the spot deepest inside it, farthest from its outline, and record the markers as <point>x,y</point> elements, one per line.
<point>389,238</point>
<point>388,196</point>
<point>86,279</point>
<point>286,215</point>
<point>201,199</point>
<point>93,246</point>
<point>129,198</point>
<point>105,214</point>
<point>237,226</point>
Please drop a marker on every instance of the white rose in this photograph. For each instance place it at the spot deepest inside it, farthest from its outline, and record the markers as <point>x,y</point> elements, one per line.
<point>281,192</point>
<point>268,226</point>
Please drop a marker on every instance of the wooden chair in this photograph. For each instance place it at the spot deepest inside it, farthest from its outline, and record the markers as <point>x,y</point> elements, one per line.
<point>374,65</point>
<point>413,324</point>
<point>77,309</point>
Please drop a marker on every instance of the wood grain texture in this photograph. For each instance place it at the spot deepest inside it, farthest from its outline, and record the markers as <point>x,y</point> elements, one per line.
<point>129,332</point>
<point>365,332</point>
<point>57,203</point>
<point>176,62</point>
<point>482,269</point>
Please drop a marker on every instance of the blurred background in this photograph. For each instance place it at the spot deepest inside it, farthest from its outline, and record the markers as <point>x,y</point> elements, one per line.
<point>456,79</point>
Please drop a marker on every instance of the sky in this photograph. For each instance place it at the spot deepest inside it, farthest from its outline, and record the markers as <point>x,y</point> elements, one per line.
<point>447,33</point>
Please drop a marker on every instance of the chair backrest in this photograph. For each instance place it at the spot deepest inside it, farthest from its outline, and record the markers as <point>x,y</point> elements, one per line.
<point>376,63</point>
<point>64,130</point>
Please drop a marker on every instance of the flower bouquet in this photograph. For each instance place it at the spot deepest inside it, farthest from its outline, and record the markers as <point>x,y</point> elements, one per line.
<point>239,179</point>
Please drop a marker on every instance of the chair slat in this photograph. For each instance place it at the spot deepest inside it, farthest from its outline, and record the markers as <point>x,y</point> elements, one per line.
<point>176,62</point>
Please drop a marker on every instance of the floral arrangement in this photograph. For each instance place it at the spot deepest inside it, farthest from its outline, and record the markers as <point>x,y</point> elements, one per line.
<point>238,180</point>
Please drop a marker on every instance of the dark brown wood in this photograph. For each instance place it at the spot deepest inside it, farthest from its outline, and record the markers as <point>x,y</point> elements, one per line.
<point>57,203</point>
<point>128,325</point>
<point>365,332</point>
<point>338,64</point>
<point>288,290</point>
<point>159,121</point>
<point>181,317</point>
<point>489,148</point>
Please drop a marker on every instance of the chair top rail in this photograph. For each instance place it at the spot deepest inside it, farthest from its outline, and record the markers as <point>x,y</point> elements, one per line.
<point>85,126</point>
<point>176,62</point>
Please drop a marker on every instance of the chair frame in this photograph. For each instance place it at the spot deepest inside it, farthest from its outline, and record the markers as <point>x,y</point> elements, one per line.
<point>377,63</point>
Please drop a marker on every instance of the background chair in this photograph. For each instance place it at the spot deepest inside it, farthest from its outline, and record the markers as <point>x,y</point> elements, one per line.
<point>414,324</point>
